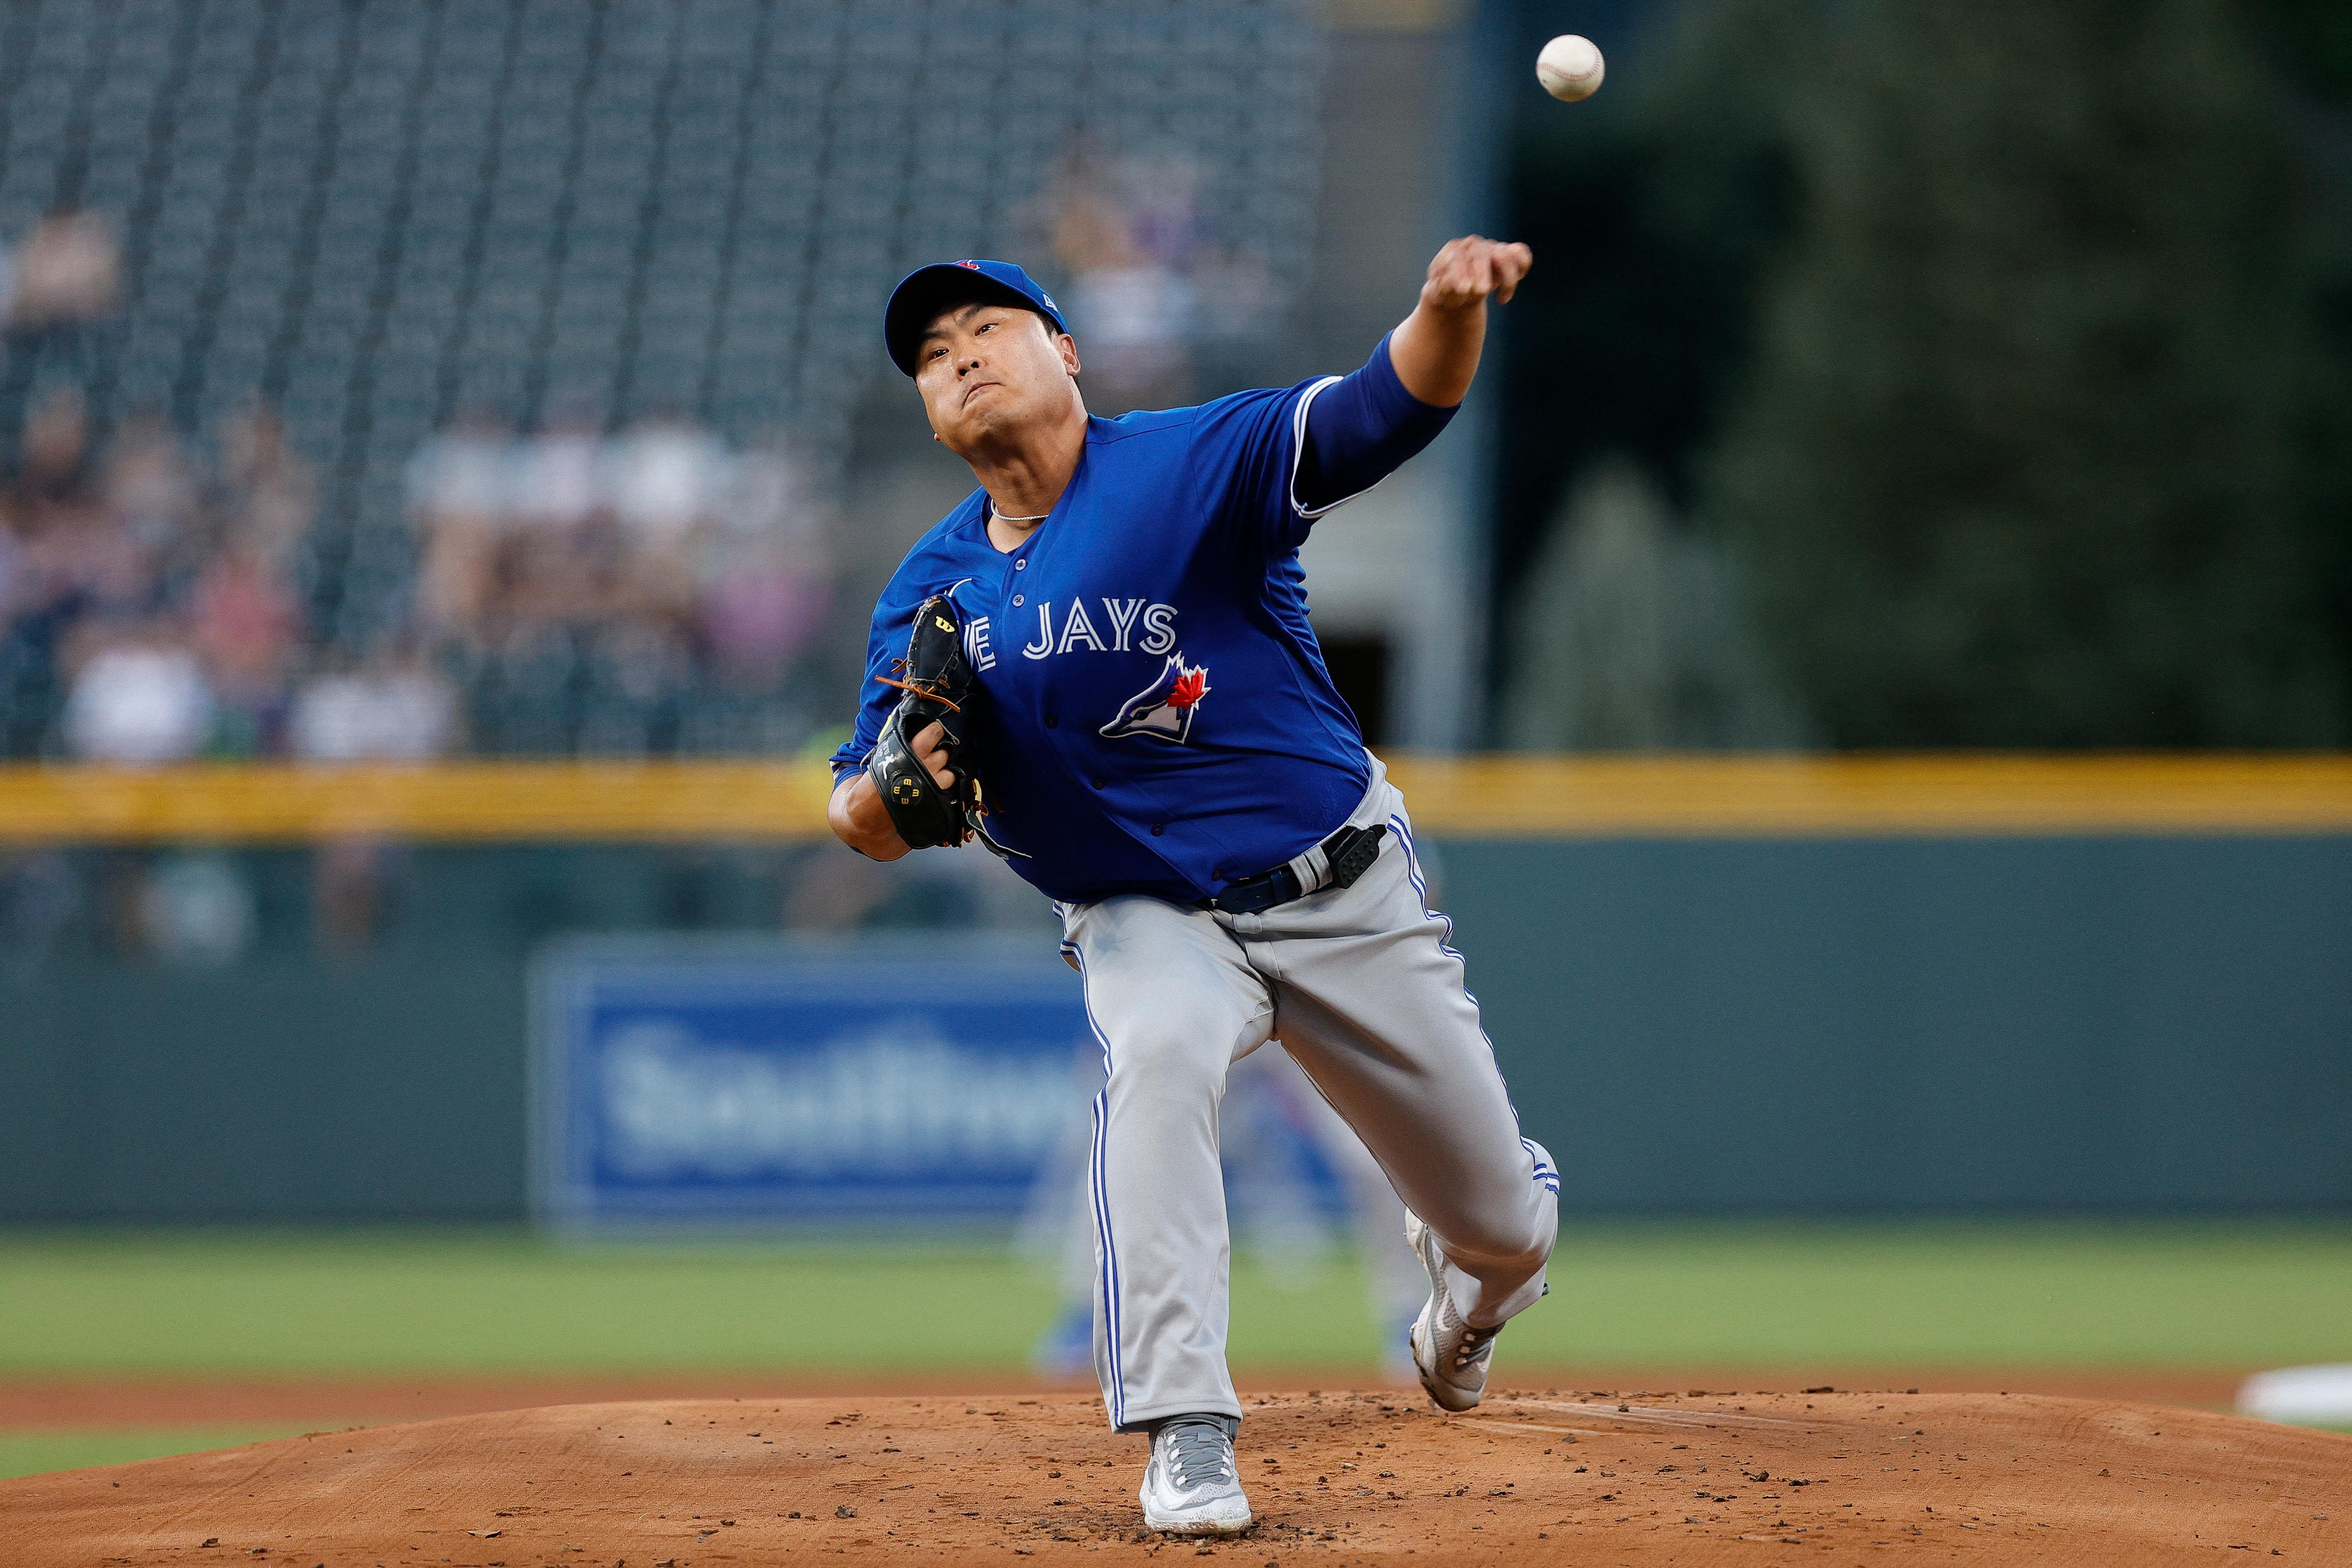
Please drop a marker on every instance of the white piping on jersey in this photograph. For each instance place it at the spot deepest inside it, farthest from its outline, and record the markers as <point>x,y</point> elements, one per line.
<point>1298,450</point>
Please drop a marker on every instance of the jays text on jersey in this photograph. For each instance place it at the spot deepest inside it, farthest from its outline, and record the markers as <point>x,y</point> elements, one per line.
<point>1156,717</point>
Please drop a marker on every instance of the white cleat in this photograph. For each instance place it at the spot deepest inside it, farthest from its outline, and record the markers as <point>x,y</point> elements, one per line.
<point>1191,1487</point>
<point>1451,1356</point>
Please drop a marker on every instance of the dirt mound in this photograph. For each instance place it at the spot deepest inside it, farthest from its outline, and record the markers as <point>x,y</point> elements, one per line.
<point>286,1401</point>
<point>1634,1479</point>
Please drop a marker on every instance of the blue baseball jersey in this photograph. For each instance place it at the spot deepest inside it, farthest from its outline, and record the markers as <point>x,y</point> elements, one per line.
<point>1156,715</point>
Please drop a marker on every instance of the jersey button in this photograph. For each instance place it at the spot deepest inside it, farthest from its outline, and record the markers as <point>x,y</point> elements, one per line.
<point>1018,600</point>
<point>1158,829</point>
<point>1021,564</point>
<point>1052,721</point>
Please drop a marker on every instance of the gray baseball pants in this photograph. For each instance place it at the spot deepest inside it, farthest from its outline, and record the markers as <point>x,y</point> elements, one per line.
<point>1366,994</point>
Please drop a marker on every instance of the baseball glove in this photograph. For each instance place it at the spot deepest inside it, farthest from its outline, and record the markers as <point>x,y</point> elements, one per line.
<point>936,681</point>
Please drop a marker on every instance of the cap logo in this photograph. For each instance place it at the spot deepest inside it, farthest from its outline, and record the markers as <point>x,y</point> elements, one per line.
<point>973,264</point>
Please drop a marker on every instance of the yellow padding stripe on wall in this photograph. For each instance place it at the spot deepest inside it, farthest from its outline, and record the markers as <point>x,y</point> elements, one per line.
<point>452,802</point>
<point>1772,796</point>
<point>1483,797</point>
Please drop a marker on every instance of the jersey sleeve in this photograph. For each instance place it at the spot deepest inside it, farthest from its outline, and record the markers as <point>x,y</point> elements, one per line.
<point>1246,448</point>
<point>1359,431</point>
<point>1288,456</point>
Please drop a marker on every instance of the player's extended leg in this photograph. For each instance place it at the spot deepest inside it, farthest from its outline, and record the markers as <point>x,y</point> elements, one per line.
<point>1174,1005</point>
<point>1370,1000</point>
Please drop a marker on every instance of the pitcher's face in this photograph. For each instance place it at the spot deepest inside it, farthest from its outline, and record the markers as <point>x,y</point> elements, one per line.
<point>986,370</point>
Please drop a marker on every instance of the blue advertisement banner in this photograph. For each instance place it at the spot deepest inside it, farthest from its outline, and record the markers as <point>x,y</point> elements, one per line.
<point>684,1080</point>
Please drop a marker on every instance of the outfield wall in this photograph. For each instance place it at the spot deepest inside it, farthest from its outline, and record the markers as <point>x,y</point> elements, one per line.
<point>2065,1022</point>
<point>1850,1013</point>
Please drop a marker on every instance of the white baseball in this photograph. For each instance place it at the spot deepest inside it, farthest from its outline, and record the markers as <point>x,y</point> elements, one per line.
<point>1571,67</point>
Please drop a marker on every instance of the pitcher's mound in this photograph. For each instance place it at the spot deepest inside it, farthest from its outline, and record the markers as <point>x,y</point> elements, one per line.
<point>1637,1479</point>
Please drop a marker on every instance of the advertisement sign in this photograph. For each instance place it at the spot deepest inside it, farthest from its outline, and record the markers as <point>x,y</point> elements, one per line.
<point>683,1080</point>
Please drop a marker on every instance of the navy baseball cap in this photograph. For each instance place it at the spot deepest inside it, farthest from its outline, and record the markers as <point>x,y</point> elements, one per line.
<point>923,293</point>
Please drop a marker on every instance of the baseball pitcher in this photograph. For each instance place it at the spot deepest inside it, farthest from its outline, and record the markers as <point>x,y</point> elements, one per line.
<point>1100,664</point>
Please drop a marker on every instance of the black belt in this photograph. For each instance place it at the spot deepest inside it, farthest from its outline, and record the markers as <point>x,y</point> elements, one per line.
<point>1348,855</point>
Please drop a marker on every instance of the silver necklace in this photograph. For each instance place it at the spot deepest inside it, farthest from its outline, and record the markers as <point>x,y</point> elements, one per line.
<point>1008,517</point>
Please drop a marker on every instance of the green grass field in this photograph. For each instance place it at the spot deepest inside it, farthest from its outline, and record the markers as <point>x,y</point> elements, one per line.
<point>1941,1293</point>
<point>2082,1296</point>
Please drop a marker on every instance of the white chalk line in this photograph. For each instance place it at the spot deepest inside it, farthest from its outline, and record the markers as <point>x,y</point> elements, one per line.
<point>1484,1422</point>
<point>1668,1418</point>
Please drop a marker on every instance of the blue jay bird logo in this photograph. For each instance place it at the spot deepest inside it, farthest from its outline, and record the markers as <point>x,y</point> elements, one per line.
<point>1165,707</point>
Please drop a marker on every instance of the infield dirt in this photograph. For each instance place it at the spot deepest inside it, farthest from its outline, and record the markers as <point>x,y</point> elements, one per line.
<point>1627,1478</point>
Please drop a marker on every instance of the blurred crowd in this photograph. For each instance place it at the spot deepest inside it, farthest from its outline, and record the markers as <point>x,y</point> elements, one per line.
<point>58,289</point>
<point>572,591</point>
<point>147,591</point>
<point>589,590</point>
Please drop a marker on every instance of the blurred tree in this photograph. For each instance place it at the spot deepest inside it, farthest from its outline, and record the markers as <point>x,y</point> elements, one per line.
<point>1631,634</point>
<point>1988,340</point>
<point>2312,40</point>
<point>2019,462</point>
<point>2318,37</point>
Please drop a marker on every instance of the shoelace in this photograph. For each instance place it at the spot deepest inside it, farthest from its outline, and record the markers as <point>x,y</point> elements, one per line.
<point>1474,1343</point>
<point>1197,1454</point>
